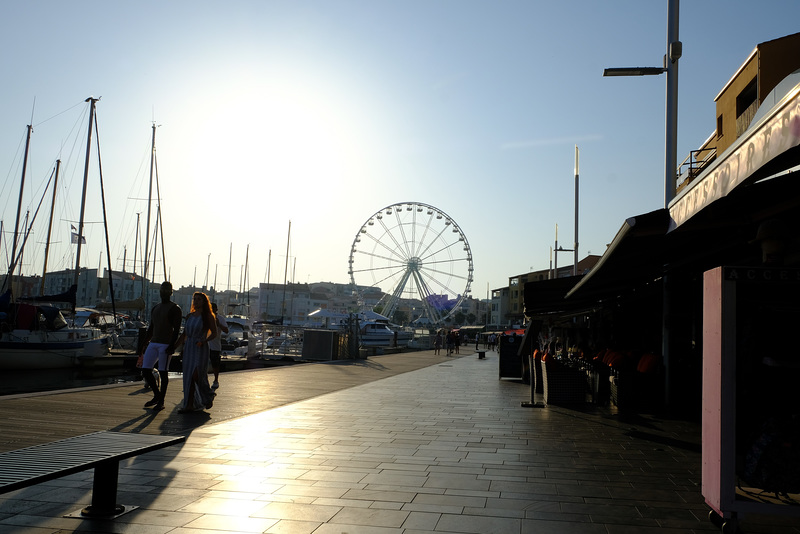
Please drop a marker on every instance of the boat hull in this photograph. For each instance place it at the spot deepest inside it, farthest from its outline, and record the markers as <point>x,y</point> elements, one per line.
<point>28,350</point>
<point>380,335</point>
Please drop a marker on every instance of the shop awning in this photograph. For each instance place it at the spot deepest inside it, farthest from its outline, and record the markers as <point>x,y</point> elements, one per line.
<point>645,248</point>
<point>545,297</point>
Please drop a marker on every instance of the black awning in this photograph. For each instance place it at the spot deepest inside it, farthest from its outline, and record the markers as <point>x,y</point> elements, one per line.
<point>645,248</point>
<point>635,256</point>
<point>546,297</point>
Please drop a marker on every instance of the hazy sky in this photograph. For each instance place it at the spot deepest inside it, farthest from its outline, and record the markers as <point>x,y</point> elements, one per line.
<point>324,112</point>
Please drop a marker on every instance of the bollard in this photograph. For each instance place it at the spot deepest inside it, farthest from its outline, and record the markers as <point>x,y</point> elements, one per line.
<point>532,403</point>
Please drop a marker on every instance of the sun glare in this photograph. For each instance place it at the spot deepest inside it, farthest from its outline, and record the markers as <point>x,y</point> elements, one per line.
<point>281,138</point>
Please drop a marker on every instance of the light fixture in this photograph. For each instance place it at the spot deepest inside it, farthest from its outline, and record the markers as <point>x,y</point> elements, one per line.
<point>634,71</point>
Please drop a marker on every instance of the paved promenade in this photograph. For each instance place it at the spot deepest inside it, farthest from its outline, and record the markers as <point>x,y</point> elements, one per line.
<point>405,443</point>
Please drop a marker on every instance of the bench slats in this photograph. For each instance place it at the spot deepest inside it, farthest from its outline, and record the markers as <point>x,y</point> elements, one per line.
<point>40,463</point>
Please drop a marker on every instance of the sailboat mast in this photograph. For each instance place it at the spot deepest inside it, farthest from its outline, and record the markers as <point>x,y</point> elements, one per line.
<point>246,266</point>
<point>92,102</point>
<point>149,204</point>
<point>286,271</point>
<point>228,299</point>
<point>50,226</point>
<point>208,264</point>
<point>12,265</point>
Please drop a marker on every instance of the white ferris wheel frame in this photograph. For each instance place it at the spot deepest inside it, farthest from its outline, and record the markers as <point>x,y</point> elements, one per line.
<point>415,244</point>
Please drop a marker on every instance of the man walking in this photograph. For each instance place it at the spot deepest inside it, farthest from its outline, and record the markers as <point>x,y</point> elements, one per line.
<point>164,329</point>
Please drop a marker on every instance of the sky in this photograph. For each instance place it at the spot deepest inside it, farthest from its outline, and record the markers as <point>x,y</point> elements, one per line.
<point>323,113</point>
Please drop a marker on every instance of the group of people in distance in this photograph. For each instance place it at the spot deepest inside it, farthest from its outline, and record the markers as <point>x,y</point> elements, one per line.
<point>451,339</point>
<point>200,339</point>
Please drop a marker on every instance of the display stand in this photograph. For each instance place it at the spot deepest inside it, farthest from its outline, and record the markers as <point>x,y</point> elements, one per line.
<point>751,366</point>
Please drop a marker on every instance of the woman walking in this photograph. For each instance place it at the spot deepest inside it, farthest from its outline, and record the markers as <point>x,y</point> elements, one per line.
<point>201,326</point>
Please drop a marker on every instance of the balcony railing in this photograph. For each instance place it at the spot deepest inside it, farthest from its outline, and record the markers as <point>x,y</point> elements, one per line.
<point>692,166</point>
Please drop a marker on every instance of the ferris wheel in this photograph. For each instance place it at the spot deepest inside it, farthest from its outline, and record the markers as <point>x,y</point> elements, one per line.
<point>414,252</point>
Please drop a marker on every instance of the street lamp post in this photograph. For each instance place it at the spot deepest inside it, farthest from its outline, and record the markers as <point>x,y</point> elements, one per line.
<point>575,247</point>
<point>674,52</point>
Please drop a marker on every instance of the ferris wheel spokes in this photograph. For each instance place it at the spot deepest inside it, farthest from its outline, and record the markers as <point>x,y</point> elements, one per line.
<point>444,289</point>
<point>425,294</point>
<point>396,294</point>
<point>388,231</point>
<point>391,250</point>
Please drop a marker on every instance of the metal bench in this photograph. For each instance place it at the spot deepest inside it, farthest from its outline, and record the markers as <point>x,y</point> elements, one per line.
<point>100,450</point>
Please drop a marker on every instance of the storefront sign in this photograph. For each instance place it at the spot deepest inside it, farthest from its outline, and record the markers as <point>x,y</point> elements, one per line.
<point>761,274</point>
<point>775,136</point>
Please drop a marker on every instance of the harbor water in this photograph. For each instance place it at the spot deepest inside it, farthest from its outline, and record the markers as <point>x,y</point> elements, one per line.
<point>33,381</point>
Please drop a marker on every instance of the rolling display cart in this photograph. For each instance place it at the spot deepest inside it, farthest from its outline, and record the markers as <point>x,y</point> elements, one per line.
<point>751,415</point>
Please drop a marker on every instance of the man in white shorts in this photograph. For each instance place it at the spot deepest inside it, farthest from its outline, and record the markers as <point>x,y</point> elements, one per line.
<point>164,329</point>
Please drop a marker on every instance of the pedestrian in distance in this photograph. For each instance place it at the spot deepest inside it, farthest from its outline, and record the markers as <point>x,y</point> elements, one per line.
<point>451,342</point>
<point>160,342</point>
<point>201,326</point>
<point>437,342</point>
<point>215,345</point>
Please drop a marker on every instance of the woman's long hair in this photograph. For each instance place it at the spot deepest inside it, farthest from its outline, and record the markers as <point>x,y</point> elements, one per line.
<point>209,320</point>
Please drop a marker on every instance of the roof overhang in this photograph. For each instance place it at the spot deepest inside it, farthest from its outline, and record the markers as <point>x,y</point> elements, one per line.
<point>767,148</point>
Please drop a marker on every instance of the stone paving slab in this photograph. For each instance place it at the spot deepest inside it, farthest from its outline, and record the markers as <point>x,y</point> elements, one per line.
<point>445,448</point>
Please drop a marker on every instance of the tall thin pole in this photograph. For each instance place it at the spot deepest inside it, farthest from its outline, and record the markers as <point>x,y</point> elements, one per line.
<point>268,291</point>
<point>230,261</point>
<point>286,272</point>
<point>575,248</point>
<point>208,265</point>
<point>555,268</point>
<point>674,52</point>
<point>149,204</point>
<point>246,268</point>
<point>136,243</point>
<point>92,102</point>
<point>50,226</point>
<point>488,303</point>
<point>155,242</point>
<point>12,265</point>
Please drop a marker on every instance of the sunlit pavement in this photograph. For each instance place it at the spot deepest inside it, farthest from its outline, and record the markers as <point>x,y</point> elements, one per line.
<point>445,448</point>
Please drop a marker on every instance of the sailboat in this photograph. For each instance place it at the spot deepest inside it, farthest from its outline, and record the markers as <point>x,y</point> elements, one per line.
<point>34,333</point>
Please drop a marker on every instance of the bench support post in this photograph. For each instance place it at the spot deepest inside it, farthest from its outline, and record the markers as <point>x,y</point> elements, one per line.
<point>104,491</point>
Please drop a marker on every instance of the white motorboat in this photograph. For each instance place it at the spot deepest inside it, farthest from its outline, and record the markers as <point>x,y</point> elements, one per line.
<point>379,334</point>
<point>43,340</point>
